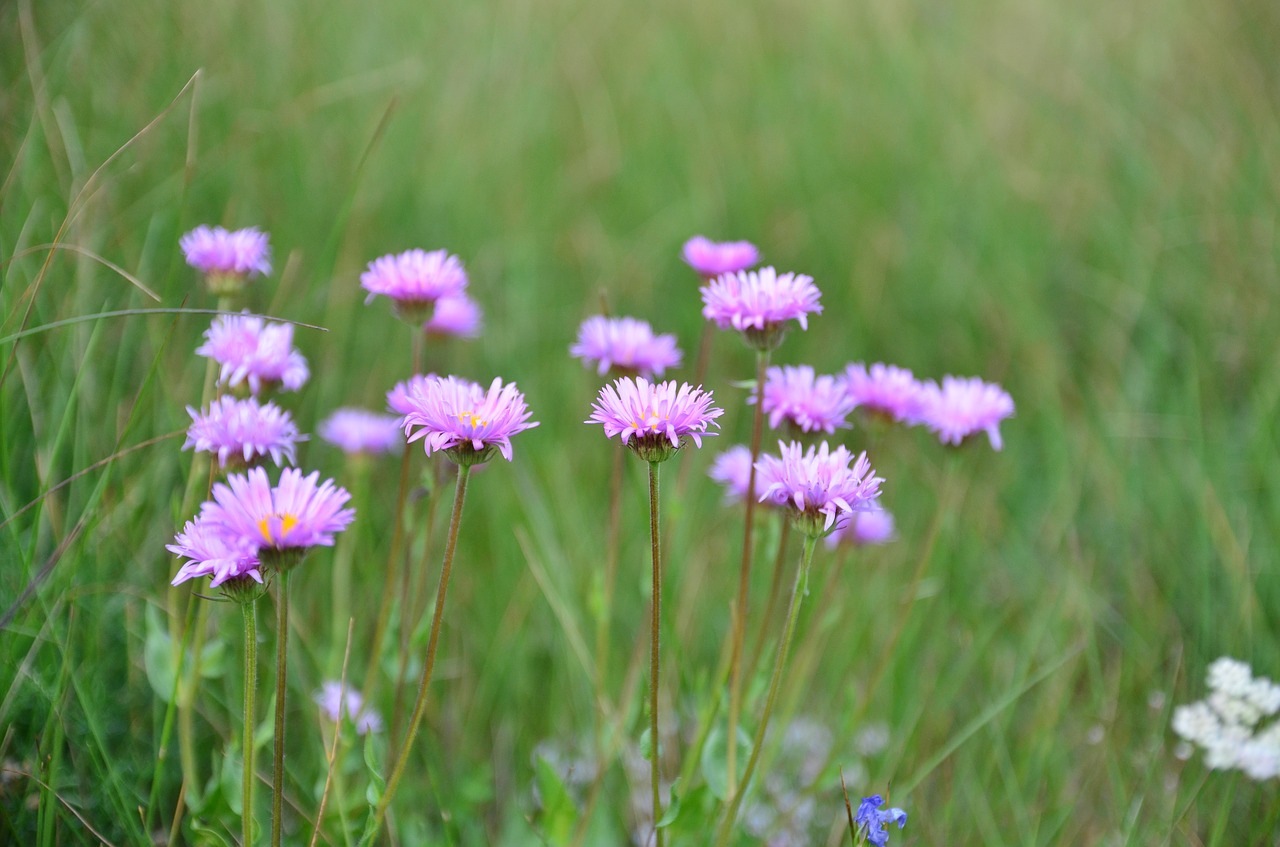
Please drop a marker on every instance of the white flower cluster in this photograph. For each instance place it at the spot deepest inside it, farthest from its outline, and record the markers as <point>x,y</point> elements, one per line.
<point>1227,723</point>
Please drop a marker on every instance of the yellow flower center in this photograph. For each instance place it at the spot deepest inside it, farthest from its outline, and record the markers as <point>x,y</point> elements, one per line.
<point>287,522</point>
<point>470,417</point>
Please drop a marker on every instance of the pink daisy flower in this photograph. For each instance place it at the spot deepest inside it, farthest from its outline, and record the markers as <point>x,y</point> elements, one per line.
<point>252,351</point>
<point>335,706</point>
<point>759,303</point>
<point>711,258</point>
<point>963,407</point>
<point>626,345</point>
<point>211,551</point>
<point>732,469</point>
<point>279,522</point>
<point>463,419</point>
<point>455,316</point>
<point>415,280</point>
<point>398,398</point>
<point>863,529</point>
<point>884,389</point>
<point>820,486</point>
<point>795,395</point>
<point>654,419</point>
<point>242,433</point>
<point>219,253</point>
<point>360,431</point>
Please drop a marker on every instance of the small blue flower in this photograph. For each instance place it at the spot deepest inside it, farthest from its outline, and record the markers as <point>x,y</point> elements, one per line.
<point>872,820</point>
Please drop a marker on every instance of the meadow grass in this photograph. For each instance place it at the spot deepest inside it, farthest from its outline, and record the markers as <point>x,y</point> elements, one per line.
<point>1075,200</point>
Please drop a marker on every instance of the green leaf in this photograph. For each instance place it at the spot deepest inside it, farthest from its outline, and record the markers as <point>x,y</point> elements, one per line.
<point>205,835</point>
<point>232,780</point>
<point>213,659</point>
<point>558,812</point>
<point>715,760</point>
<point>158,657</point>
<point>377,784</point>
<point>673,808</point>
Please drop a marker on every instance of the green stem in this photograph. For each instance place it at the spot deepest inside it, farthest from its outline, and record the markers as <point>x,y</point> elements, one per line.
<point>388,581</point>
<point>744,576</point>
<point>655,757</point>
<point>419,706</point>
<point>797,592</point>
<point>775,585</point>
<point>250,610</point>
<point>610,580</point>
<point>277,764</point>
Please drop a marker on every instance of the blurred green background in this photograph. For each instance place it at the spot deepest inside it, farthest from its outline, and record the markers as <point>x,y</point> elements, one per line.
<point>1075,200</point>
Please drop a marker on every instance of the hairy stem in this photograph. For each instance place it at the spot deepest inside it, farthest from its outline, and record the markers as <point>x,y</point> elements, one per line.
<point>250,610</point>
<point>277,768</point>
<point>655,758</point>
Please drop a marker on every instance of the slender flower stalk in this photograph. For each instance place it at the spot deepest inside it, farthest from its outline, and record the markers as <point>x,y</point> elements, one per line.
<point>775,586</point>
<point>784,648</point>
<point>277,757</point>
<point>250,612</point>
<point>655,747</point>
<point>710,259</point>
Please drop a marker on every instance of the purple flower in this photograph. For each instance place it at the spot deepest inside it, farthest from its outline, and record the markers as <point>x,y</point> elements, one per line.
<point>863,529</point>
<point>455,316</point>
<point>361,431</point>
<point>654,418</point>
<point>281,521</point>
<point>884,389</point>
<point>819,485</point>
<point>808,402</point>
<point>254,351</point>
<point>243,432</point>
<point>872,820</point>
<point>216,251</point>
<point>627,345</point>
<point>759,303</point>
<point>336,707</point>
<point>415,280</point>
<point>732,469</point>
<point>398,398</point>
<point>963,407</point>
<point>212,551</point>
<point>711,258</point>
<point>463,419</point>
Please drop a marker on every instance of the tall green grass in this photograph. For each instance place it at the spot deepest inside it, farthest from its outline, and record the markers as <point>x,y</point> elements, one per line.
<point>1077,200</point>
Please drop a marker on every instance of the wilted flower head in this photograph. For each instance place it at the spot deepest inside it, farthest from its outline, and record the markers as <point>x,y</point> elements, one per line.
<point>872,820</point>
<point>360,431</point>
<point>884,389</point>
<point>759,303</point>
<point>808,402</point>
<point>243,432</point>
<point>211,551</point>
<point>1228,725</point>
<point>352,707</point>
<point>863,529</point>
<point>626,345</point>
<point>455,316</point>
<point>415,280</point>
<point>654,418</point>
<point>712,258</point>
<point>227,258</point>
<point>279,522</point>
<point>463,419</point>
<point>963,407</point>
<point>732,469</point>
<point>819,484</point>
<point>252,351</point>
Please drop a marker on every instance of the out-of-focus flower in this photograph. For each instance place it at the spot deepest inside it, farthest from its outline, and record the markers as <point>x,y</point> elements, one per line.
<point>760,303</point>
<point>654,419</point>
<point>712,258</point>
<point>808,402</point>
<point>462,419</point>
<point>398,398</point>
<point>352,707</point>
<point>360,431</point>
<point>280,522</point>
<point>1228,725</point>
<point>884,389</point>
<point>415,280</point>
<point>962,407</point>
<point>250,350</point>
<point>732,469</point>
<point>626,345</point>
<point>212,551</point>
<point>872,819</point>
<point>227,259</point>
<point>242,433</point>
<point>863,529</point>
<point>819,486</point>
<point>455,316</point>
